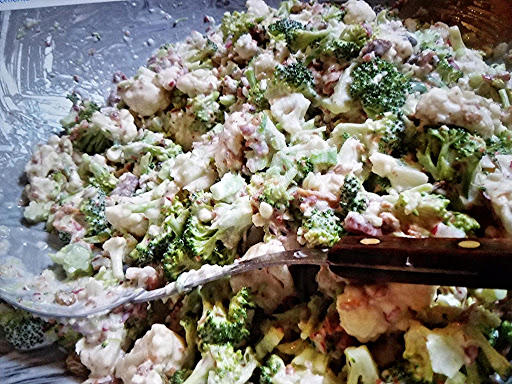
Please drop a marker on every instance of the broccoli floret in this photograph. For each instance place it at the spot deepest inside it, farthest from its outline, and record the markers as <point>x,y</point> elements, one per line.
<point>379,86</point>
<point>203,55</point>
<point>322,228</point>
<point>89,138</point>
<point>97,175</point>
<point>392,133</point>
<point>350,197</point>
<point>463,222</point>
<point>236,24</point>
<point>287,28</point>
<point>86,137</point>
<point>178,259</point>
<point>65,237</point>
<point>297,77</point>
<point>376,184</point>
<point>23,331</point>
<point>500,144</point>
<point>450,154</point>
<point>152,250</point>
<point>218,326</point>
<point>179,376</point>
<point>206,111</point>
<point>203,241</point>
<point>222,364</point>
<point>449,74</point>
<point>304,167</point>
<point>501,337</point>
<point>275,194</point>
<point>94,212</point>
<point>256,94</point>
<point>296,36</point>
<point>81,110</point>
<point>273,365</point>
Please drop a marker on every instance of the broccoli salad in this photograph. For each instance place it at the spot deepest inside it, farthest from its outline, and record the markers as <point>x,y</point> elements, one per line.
<point>279,129</point>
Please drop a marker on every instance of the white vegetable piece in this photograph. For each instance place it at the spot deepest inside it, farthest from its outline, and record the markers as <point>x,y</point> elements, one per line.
<point>401,176</point>
<point>159,352</point>
<point>143,93</point>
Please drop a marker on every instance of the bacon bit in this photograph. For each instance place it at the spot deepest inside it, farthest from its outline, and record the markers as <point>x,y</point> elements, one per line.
<point>329,197</point>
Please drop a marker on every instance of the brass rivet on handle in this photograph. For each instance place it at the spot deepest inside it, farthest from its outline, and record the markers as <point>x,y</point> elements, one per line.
<point>370,241</point>
<point>469,244</point>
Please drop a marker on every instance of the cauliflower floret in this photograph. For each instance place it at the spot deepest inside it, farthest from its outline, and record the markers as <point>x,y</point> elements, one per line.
<point>257,8</point>
<point>117,249</point>
<point>119,125</point>
<point>159,352</point>
<point>461,108</point>
<point>270,286</point>
<point>396,34</point>
<point>349,157</point>
<point>143,93</point>
<point>199,81</point>
<point>42,189</point>
<point>246,47</point>
<point>370,311</point>
<point>358,12</point>
<point>401,176</point>
<point>228,143</point>
<point>265,64</point>
<point>125,216</point>
<point>192,171</point>
<point>101,357</point>
<point>328,185</point>
<point>290,110</point>
<point>146,277</point>
<point>168,77</point>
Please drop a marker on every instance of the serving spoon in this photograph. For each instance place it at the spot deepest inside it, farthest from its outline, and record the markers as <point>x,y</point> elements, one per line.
<point>482,263</point>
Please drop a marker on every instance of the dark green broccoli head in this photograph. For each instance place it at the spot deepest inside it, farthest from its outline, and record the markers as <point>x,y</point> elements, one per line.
<point>342,50</point>
<point>218,326</point>
<point>178,259</point>
<point>93,210</point>
<point>450,154</point>
<point>322,228</point>
<point>89,138</point>
<point>200,238</point>
<point>81,110</point>
<point>24,332</point>
<point>379,86</point>
<point>392,133</point>
<point>500,144</point>
<point>285,27</point>
<point>350,198</point>
<point>152,250</point>
<point>296,36</point>
<point>296,76</point>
